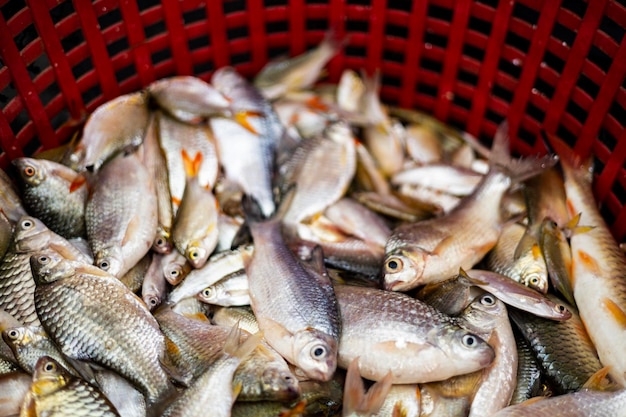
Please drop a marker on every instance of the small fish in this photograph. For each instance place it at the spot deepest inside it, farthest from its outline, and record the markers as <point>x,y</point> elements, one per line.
<point>154,287</point>
<point>298,73</point>
<point>6,233</point>
<point>10,202</point>
<point>121,215</point>
<point>73,303</point>
<point>229,316</point>
<point>13,388</point>
<point>55,194</point>
<point>434,249</point>
<point>404,330</point>
<point>357,220</point>
<point>350,89</point>
<point>133,279</point>
<point>56,392</point>
<point>116,126</point>
<point>232,290</point>
<point>423,144</point>
<point>175,267</point>
<point>357,402</point>
<point>450,297</point>
<point>558,256</point>
<point>440,177</point>
<point>450,397</point>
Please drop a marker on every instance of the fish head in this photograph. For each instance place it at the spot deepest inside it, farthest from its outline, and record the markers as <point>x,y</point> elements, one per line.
<point>466,351</point>
<point>49,266</point>
<point>537,278</point>
<point>110,260</point>
<point>32,173</point>
<point>16,337</point>
<point>315,354</point>
<point>281,383</point>
<point>484,313</point>
<point>196,254</point>
<point>208,295</point>
<point>48,377</point>
<point>175,272</point>
<point>152,300</point>
<point>403,269</point>
<point>162,242</point>
<point>30,234</point>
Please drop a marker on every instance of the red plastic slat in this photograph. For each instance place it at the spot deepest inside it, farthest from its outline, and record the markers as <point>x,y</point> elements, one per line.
<point>256,26</point>
<point>412,57</point>
<point>178,39</point>
<point>336,22</point>
<point>136,40</point>
<point>296,28</point>
<point>219,42</point>
<point>376,35</point>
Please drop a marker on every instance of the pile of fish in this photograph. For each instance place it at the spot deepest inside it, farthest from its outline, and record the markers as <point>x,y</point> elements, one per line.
<point>274,247</point>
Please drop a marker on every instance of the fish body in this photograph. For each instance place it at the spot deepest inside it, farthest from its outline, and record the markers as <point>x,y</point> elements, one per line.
<point>121,215</point>
<point>74,304</point>
<point>598,267</point>
<point>229,316</point>
<point>175,267</point>
<point>440,177</point>
<point>55,194</point>
<point>528,372</point>
<point>13,388</point>
<point>125,398</point>
<point>154,286</point>
<point>450,297</point>
<point>56,393</point>
<point>10,202</point>
<point>419,343</point>
<point>296,309</point>
<point>233,290</point>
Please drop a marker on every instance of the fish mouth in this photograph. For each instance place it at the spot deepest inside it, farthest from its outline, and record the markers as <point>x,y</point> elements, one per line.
<point>397,285</point>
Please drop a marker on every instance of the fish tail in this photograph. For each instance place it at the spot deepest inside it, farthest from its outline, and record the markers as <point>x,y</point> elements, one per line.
<point>356,399</point>
<point>518,169</point>
<point>233,347</point>
<point>573,164</point>
<point>192,166</point>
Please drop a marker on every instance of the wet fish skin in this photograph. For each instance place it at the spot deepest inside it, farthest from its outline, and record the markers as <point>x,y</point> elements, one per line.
<point>73,300</point>
<point>55,194</point>
<point>133,279</point>
<point>528,372</point>
<point>377,322</point>
<point>233,290</point>
<point>10,202</point>
<point>558,255</point>
<point>121,215</point>
<point>125,398</point>
<point>55,392</point>
<point>355,219</point>
<point>154,287</point>
<point>13,388</point>
<point>403,400</point>
<point>229,316</point>
<point>450,297</point>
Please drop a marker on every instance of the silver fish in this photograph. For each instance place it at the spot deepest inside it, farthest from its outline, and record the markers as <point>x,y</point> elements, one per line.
<point>232,290</point>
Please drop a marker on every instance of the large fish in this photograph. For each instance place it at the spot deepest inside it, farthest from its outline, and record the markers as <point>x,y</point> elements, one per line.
<point>393,332</point>
<point>121,214</point>
<point>433,250</point>
<point>74,301</point>
<point>598,267</point>
<point>55,194</point>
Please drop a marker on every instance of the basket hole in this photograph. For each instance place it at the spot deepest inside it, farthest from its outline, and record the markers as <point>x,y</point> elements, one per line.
<point>276,52</point>
<point>270,3</point>
<point>234,6</point>
<point>431,65</point>
<point>242,58</point>
<point>618,112</point>
<point>612,29</point>
<point>397,31</point>
<point>568,137</point>
<point>20,121</point>
<point>491,3</point>
<point>198,43</point>
<point>38,65</point>
<point>391,81</point>
<point>203,68</point>
<point>59,119</point>
<point>601,59</point>
<point>234,33</point>
<point>526,136</point>
<point>565,35</point>
<point>605,212</point>
<point>427,89</point>
<point>502,93</point>
<point>467,77</point>
<point>316,24</point>
<point>577,7</point>
<point>473,52</point>
<point>439,12</point>
<point>8,94</point>
<point>575,110</point>
<point>61,11</point>
<point>120,45</point>
<point>82,68</point>
<point>436,40</point>
<point>357,26</point>
<point>280,26</point>
<point>525,13</point>
<point>155,29</point>
<point>357,51</point>
<point>359,2</point>
<point>494,117</point>
<point>393,56</point>
<point>49,93</point>
<point>402,5</point>
<point>91,94</point>
<point>535,112</point>
<point>509,68</point>
<point>191,16</point>
<point>543,88</point>
<point>553,61</point>
<point>597,166</point>
<point>11,7</point>
<point>479,25</point>
<point>25,37</point>
<point>607,139</point>
<point>109,19</point>
<point>72,40</point>
<point>124,73</point>
<point>162,55</point>
<point>462,102</point>
<point>517,42</point>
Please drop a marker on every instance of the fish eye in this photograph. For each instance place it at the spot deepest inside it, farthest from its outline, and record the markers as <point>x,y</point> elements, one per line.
<point>50,367</point>
<point>394,264</point>
<point>153,301</point>
<point>160,242</point>
<point>104,265</point>
<point>13,334</point>
<point>318,352</point>
<point>194,254</point>
<point>43,260</point>
<point>469,340</point>
<point>534,280</point>
<point>487,300</point>
<point>27,224</point>
<point>560,308</point>
<point>174,272</point>
<point>207,292</point>
<point>29,171</point>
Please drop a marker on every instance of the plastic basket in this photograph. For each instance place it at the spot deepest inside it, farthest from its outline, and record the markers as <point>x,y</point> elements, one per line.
<point>553,65</point>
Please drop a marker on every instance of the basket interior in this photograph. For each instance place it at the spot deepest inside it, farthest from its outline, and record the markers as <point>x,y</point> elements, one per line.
<point>559,66</point>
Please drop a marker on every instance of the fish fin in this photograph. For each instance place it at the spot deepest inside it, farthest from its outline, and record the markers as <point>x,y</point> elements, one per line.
<point>588,261</point>
<point>237,387</point>
<point>443,245</point>
<point>78,182</point>
<point>233,347</point>
<point>196,316</point>
<point>167,364</point>
<point>527,243</point>
<point>355,397</point>
<point>84,370</point>
<point>176,201</point>
<point>572,163</point>
<point>131,230</point>
<point>242,237</point>
<point>28,405</point>
<point>243,119</point>
<point>252,209</point>
<point>192,166</point>
<point>473,281</point>
<point>518,169</point>
<point>316,260</point>
<point>316,103</point>
<point>598,381</point>
<point>296,411</point>
<point>572,227</point>
<point>616,312</point>
<point>532,400</point>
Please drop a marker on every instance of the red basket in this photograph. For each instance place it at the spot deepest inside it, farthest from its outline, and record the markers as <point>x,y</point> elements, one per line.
<point>553,65</point>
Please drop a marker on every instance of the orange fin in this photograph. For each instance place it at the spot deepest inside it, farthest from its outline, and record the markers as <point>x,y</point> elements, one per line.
<point>598,381</point>
<point>588,261</point>
<point>572,228</point>
<point>196,316</point>
<point>296,411</point>
<point>192,166</point>
<point>316,103</point>
<point>616,311</point>
<point>242,119</point>
<point>78,182</point>
<point>176,201</point>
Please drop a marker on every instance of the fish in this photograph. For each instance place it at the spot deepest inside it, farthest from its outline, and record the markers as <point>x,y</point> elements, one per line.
<point>10,202</point>
<point>232,290</point>
<point>295,308</point>
<point>357,220</point>
<point>16,281</point>
<point>6,233</point>
<point>73,303</point>
<point>403,400</point>
<point>450,297</point>
<point>121,215</point>
<point>525,265</point>
<point>358,402</point>
<point>433,250</point>
<point>558,256</point>
<point>56,392</point>
<point>188,99</point>
<point>450,397</point>
<point>350,89</point>
<point>154,287</point>
<point>528,371</point>
<point>133,279</point>
<point>280,76</point>
<point>175,267</point>
<point>423,144</point>
<point>229,316</point>
<point>598,266</point>
<point>563,349</point>
<point>517,295</point>
<point>404,330</point>
<point>195,232</point>
<point>440,177</point>
<point>118,125</point>
<point>213,392</point>
<point>488,317</point>
<point>125,398</point>
<point>13,388</point>
<point>55,194</point>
